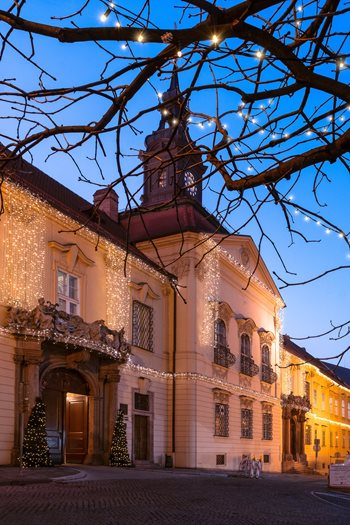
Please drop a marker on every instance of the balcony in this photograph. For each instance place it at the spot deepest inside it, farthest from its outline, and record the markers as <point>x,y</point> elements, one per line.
<point>268,375</point>
<point>248,367</point>
<point>223,356</point>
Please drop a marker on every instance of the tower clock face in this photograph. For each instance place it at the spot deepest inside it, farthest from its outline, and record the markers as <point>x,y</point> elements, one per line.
<point>189,180</point>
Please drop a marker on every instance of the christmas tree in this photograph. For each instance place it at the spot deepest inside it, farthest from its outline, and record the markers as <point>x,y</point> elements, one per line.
<point>119,456</point>
<point>35,448</point>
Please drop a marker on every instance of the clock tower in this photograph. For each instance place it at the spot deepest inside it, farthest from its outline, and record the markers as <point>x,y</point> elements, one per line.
<point>173,166</point>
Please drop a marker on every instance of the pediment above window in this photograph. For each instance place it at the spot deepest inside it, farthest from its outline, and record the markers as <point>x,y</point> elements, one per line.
<point>72,254</point>
<point>246,402</point>
<point>246,325</point>
<point>225,312</point>
<point>144,291</point>
<point>221,396</point>
<point>266,338</point>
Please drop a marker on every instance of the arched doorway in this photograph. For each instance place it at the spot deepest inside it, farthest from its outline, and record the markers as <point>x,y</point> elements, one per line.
<point>65,394</point>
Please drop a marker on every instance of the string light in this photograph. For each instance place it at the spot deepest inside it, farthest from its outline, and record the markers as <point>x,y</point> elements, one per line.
<point>140,37</point>
<point>259,54</point>
<point>215,39</point>
<point>179,54</point>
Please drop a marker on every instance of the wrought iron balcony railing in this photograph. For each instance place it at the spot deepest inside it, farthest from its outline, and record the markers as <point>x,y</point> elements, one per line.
<point>223,356</point>
<point>248,367</point>
<point>268,375</point>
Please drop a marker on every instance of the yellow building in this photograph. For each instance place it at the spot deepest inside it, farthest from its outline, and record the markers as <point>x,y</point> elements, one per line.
<point>316,410</point>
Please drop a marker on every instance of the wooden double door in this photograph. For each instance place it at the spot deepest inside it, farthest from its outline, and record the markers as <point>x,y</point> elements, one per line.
<point>66,420</point>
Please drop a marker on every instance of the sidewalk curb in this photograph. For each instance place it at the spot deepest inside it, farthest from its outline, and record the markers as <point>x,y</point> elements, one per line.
<point>72,477</point>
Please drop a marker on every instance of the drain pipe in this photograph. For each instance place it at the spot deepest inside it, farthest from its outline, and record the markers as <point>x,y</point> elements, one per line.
<point>173,423</point>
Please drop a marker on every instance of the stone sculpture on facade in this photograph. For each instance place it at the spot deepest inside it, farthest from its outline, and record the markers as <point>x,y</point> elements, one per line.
<point>47,321</point>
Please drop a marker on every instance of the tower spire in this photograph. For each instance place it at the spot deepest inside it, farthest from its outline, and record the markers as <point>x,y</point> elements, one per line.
<point>173,110</point>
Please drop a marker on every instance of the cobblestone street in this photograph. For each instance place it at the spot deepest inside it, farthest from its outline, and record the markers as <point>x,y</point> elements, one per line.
<point>173,497</point>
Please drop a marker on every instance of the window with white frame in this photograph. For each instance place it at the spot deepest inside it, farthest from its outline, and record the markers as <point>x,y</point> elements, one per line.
<point>221,420</point>
<point>142,325</point>
<point>343,408</point>
<point>336,412</point>
<point>331,404</point>
<point>68,292</point>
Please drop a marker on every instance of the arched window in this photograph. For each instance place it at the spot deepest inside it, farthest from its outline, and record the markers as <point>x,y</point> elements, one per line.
<point>222,354</point>
<point>245,345</point>
<point>267,374</point>
<point>220,333</point>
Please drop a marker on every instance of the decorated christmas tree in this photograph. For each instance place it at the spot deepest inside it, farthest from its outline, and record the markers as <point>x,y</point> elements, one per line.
<point>35,448</point>
<point>119,456</point>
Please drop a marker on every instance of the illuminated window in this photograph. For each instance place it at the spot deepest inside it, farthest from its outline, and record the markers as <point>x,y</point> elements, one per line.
<point>67,292</point>
<point>142,325</point>
<point>336,412</point>
<point>307,389</point>
<point>308,435</point>
<point>221,420</point>
<point>247,423</point>
<point>336,440</point>
<point>343,408</point>
<point>162,181</point>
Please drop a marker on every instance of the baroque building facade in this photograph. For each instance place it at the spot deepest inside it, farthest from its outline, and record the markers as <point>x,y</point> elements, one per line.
<point>315,411</point>
<point>157,311</point>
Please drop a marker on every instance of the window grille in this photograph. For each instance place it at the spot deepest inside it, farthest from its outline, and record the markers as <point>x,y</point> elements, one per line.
<point>248,367</point>
<point>308,435</point>
<point>267,425</point>
<point>67,292</point>
<point>142,326</point>
<point>220,459</point>
<point>141,402</point>
<point>247,423</point>
<point>221,420</point>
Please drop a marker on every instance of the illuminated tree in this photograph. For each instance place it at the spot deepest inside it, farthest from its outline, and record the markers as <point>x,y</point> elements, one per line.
<point>119,456</point>
<point>35,448</point>
<point>265,93</point>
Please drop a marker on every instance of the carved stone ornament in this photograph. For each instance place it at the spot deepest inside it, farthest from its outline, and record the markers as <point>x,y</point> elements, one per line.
<point>46,321</point>
<point>225,313</point>
<point>220,372</point>
<point>221,396</point>
<point>72,254</point>
<point>145,291</point>
<point>245,381</point>
<point>266,407</point>
<point>245,257</point>
<point>245,326</point>
<point>246,402</point>
<point>297,403</point>
<point>266,338</point>
<point>265,388</point>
